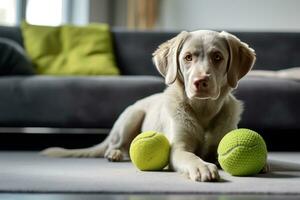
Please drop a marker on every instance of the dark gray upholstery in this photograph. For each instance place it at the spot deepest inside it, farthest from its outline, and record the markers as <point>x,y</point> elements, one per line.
<point>134,51</point>
<point>89,102</point>
<point>270,103</point>
<point>13,33</point>
<point>274,51</point>
<point>13,59</point>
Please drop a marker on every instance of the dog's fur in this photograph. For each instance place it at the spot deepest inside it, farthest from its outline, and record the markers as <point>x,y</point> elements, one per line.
<point>194,112</point>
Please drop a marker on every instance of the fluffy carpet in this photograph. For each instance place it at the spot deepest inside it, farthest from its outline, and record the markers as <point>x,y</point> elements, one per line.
<point>30,172</point>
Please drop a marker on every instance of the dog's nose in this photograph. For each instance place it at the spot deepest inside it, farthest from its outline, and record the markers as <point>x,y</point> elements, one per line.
<point>201,82</point>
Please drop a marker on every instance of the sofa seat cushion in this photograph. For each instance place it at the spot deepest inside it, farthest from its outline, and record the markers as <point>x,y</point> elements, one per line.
<point>270,103</point>
<point>82,102</point>
<point>97,101</point>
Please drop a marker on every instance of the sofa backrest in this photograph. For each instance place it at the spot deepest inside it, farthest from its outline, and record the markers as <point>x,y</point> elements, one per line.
<point>134,49</point>
<point>274,51</point>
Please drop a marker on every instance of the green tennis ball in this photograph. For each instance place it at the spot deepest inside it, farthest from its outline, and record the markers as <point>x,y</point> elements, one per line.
<point>242,152</point>
<point>149,151</point>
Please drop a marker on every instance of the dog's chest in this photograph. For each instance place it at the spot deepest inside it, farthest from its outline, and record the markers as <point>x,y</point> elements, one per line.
<point>207,146</point>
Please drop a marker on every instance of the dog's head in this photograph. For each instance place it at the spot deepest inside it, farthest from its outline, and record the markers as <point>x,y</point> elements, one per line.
<point>204,61</point>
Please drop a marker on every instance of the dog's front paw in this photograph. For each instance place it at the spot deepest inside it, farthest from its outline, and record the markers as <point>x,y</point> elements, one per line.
<point>114,155</point>
<point>203,172</point>
<point>266,169</point>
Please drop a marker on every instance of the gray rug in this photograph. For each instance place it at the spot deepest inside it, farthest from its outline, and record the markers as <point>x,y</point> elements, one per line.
<point>30,172</point>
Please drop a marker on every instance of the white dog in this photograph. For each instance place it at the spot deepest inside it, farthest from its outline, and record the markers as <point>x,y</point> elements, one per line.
<point>195,111</point>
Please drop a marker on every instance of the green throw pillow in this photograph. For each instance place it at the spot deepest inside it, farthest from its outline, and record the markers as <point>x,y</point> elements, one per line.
<point>70,50</point>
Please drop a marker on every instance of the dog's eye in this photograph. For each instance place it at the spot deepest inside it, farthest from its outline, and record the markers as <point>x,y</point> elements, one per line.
<point>217,57</point>
<point>188,57</point>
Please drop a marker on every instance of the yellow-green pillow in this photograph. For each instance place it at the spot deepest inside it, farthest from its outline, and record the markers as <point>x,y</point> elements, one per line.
<point>70,50</point>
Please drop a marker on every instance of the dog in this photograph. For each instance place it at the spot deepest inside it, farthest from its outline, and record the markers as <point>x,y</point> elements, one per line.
<point>201,68</point>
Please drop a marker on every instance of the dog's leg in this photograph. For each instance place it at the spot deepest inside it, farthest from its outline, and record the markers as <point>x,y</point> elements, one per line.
<point>184,161</point>
<point>115,146</point>
<point>126,128</point>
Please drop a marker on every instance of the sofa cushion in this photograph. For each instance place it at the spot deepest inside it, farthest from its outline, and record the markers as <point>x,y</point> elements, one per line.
<point>13,59</point>
<point>82,102</point>
<point>96,102</point>
<point>70,50</point>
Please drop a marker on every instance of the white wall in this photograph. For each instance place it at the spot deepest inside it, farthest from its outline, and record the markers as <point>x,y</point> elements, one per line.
<point>240,15</point>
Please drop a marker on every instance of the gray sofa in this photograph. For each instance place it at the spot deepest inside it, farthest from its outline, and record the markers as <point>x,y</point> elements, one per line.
<point>79,111</point>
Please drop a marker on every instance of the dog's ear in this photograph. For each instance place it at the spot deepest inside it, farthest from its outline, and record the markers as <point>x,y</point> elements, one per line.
<point>165,57</point>
<point>241,59</point>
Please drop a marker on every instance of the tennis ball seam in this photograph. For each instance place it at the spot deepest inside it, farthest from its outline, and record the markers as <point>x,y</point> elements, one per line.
<point>145,137</point>
<point>235,147</point>
<point>142,140</point>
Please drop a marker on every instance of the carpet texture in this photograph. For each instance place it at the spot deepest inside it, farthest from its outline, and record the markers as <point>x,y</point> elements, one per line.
<point>30,172</point>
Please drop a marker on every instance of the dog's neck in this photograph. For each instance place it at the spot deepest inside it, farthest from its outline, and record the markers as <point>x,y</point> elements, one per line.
<point>202,107</point>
